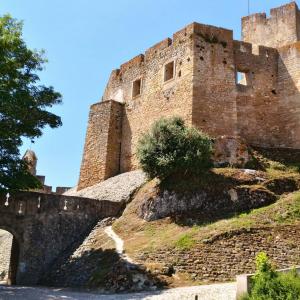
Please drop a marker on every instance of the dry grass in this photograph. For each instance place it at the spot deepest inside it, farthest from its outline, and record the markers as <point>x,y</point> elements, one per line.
<point>140,235</point>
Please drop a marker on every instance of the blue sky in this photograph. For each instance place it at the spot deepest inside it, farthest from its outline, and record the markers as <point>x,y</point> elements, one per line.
<point>85,39</point>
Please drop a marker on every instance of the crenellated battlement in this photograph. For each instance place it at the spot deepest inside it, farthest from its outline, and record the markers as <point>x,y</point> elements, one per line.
<point>152,51</point>
<point>282,12</point>
<point>247,48</point>
<point>209,33</point>
<point>132,63</point>
<point>280,29</point>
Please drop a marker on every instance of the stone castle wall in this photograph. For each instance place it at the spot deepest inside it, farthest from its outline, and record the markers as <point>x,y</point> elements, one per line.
<point>257,104</point>
<point>288,86</point>
<point>157,98</point>
<point>103,143</point>
<point>44,226</point>
<point>214,88</point>
<point>281,28</point>
<point>281,31</point>
<point>204,90</point>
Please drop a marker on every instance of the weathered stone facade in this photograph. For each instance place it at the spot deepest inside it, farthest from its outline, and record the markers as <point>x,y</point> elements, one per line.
<point>44,226</point>
<point>103,143</point>
<point>248,88</point>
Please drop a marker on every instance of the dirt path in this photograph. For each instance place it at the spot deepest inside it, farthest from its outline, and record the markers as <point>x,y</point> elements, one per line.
<point>119,243</point>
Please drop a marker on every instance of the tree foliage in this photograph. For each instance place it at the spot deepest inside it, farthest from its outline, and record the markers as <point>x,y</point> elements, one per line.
<point>23,103</point>
<point>171,147</point>
<point>267,284</point>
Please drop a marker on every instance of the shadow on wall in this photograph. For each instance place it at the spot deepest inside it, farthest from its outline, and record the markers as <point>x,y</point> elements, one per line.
<point>126,145</point>
<point>88,269</point>
<point>272,118</point>
<point>289,106</point>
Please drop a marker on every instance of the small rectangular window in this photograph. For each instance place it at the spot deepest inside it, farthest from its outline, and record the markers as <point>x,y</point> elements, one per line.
<point>136,88</point>
<point>169,71</point>
<point>243,78</point>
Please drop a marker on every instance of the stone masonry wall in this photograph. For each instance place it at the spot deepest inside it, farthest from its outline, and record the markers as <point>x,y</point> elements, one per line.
<point>157,98</point>
<point>288,90</point>
<point>214,88</point>
<point>103,144</point>
<point>257,103</point>
<point>281,28</point>
<point>45,228</point>
<point>281,31</point>
<point>223,257</point>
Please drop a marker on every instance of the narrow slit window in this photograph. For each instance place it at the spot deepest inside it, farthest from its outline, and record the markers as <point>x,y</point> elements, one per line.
<point>136,88</point>
<point>242,78</point>
<point>169,71</point>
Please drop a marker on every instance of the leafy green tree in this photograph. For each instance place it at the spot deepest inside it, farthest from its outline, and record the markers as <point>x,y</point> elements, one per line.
<point>170,147</point>
<point>23,104</point>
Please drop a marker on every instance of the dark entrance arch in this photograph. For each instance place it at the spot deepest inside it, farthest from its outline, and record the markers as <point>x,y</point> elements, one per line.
<point>14,258</point>
<point>14,262</point>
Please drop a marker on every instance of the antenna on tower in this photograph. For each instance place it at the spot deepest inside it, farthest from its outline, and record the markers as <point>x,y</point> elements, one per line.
<point>248,7</point>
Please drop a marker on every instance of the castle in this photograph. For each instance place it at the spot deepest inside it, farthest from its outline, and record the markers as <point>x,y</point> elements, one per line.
<point>248,88</point>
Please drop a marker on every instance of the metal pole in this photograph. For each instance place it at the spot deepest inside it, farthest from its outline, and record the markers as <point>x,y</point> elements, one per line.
<point>248,7</point>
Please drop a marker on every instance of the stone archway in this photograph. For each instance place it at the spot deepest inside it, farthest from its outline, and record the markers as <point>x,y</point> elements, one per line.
<point>10,253</point>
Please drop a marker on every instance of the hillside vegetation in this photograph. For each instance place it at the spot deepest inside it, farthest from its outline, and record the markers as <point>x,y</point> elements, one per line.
<point>179,241</point>
<point>141,235</point>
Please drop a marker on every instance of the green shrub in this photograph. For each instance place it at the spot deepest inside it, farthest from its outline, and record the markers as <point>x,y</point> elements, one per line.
<point>267,284</point>
<point>171,147</point>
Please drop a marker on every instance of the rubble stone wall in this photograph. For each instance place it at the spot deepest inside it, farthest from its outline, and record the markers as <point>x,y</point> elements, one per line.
<point>46,225</point>
<point>281,28</point>
<point>225,256</point>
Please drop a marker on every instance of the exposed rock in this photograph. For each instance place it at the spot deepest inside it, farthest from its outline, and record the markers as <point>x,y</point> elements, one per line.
<point>117,189</point>
<point>130,277</point>
<point>282,185</point>
<point>230,151</point>
<point>169,203</point>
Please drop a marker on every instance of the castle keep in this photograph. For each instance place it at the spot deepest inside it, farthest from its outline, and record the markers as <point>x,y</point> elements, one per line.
<point>222,86</point>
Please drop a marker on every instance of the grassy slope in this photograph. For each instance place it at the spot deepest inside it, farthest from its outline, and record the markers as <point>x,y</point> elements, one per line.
<point>140,235</point>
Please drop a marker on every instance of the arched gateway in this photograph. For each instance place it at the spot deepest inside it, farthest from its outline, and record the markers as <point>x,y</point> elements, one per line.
<point>44,227</point>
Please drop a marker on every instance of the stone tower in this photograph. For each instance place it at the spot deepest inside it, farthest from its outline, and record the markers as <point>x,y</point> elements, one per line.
<point>31,160</point>
<point>281,31</point>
